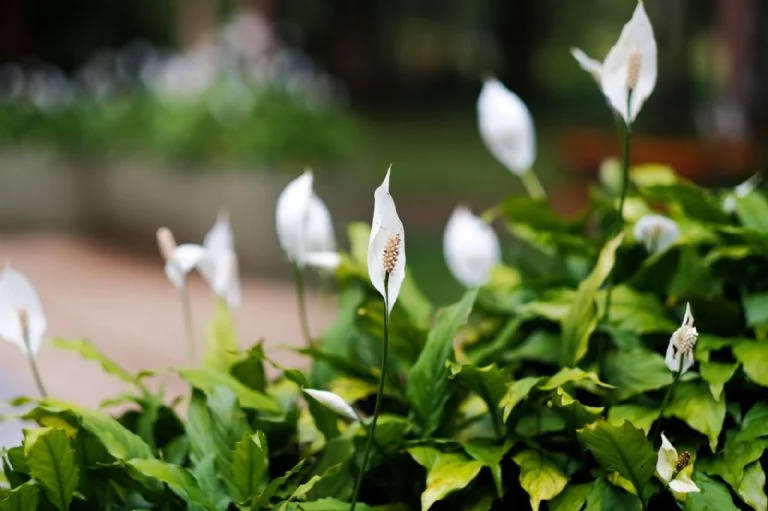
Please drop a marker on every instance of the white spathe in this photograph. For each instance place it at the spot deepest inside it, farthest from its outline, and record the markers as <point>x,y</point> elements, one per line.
<point>20,304</point>
<point>679,481</point>
<point>471,248</point>
<point>631,64</point>
<point>386,228</point>
<point>656,232</point>
<point>681,344</point>
<point>506,127</point>
<point>333,402</point>
<point>304,224</point>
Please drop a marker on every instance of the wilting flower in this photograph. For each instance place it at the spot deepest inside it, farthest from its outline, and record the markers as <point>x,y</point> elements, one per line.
<point>741,190</point>
<point>22,319</point>
<point>506,127</point>
<point>386,246</point>
<point>670,467</point>
<point>333,402</point>
<point>656,232</point>
<point>630,66</point>
<point>471,248</point>
<point>679,356</point>
<point>304,225</point>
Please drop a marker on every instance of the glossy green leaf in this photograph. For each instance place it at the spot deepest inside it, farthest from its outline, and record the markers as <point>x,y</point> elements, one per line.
<point>754,357</point>
<point>51,461</point>
<point>752,487</point>
<point>635,371</point>
<point>207,380</point>
<point>693,403</point>
<point>206,475</point>
<point>450,472</point>
<point>488,382</point>
<point>250,463</point>
<point>428,386</point>
<point>623,449</point>
<point>273,486</point>
<point>517,391</point>
<point>717,374</point>
<point>221,346</point>
<point>539,476</point>
<point>572,498</point>
<point>572,375</point>
<point>752,210</point>
<point>22,498</point>
<point>89,351</point>
<point>755,423</point>
<point>607,497</point>
<point>489,454</point>
<point>714,496</point>
<point>575,414</point>
<point>178,479</point>
<point>756,308</point>
<point>641,417</point>
<point>581,320</point>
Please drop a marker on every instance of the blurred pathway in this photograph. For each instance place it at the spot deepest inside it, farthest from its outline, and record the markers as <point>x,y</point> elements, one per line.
<point>124,305</point>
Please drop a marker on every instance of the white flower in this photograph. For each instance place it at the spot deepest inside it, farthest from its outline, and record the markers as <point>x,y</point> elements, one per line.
<point>386,246</point>
<point>334,402</point>
<point>681,344</point>
<point>506,127</point>
<point>670,467</point>
<point>656,232</point>
<point>629,66</point>
<point>471,248</point>
<point>741,190</point>
<point>22,319</point>
<point>304,225</point>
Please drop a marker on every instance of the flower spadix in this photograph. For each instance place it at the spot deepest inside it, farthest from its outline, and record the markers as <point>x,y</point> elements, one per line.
<point>629,67</point>
<point>386,246</point>
<point>656,232</point>
<point>679,357</point>
<point>471,248</point>
<point>333,402</point>
<point>671,468</point>
<point>506,127</point>
<point>304,225</point>
<point>22,319</point>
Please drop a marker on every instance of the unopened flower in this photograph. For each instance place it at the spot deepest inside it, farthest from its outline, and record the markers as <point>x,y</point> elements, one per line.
<point>333,402</point>
<point>506,127</point>
<point>304,225</point>
<point>629,67</point>
<point>679,356</point>
<point>386,246</point>
<point>471,248</point>
<point>741,190</point>
<point>22,319</point>
<point>671,468</point>
<point>656,232</point>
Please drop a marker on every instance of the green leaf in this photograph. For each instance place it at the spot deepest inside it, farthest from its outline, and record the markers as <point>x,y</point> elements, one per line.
<point>607,497</point>
<point>273,486</point>
<point>582,317</point>
<point>755,423</point>
<point>89,351</point>
<point>752,487</point>
<point>178,479</point>
<point>717,374</point>
<point>635,371</point>
<point>205,474</point>
<point>756,308</point>
<point>337,455</point>
<point>693,403</point>
<point>51,461</point>
<point>539,476</point>
<point>450,472</point>
<point>488,382</point>
<point>207,380</point>
<point>572,375</point>
<point>754,357</point>
<point>640,416</point>
<point>221,346</point>
<point>714,496</point>
<point>490,455</point>
<point>633,311</point>
<point>576,415</point>
<point>428,389</point>
<point>752,210</point>
<point>516,392</point>
<point>623,449</point>
<point>572,498</point>
<point>249,466</point>
<point>22,498</point>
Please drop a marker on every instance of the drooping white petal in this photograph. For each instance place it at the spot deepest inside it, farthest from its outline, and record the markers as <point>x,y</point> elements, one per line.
<point>327,261</point>
<point>20,304</point>
<point>471,248</point>
<point>291,216</point>
<point>656,232</point>
<point>333,402</point>
<point>631,59</point>
<point>386,232</point>
<point>682,483</point>
<point>226,280</point>
<point>666,460</point>
<point>319,227</point>
<point>588,64</point>
<point>220,237</point>
<point>506,127</point>
<point>184,258</point>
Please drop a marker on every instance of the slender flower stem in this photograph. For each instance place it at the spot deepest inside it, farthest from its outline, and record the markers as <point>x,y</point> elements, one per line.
<point>382,379</point>
<point>189,329</point>
<point>533,185</point>
<point>33,366</point>
<point>298,280</point>
<point>668,396</point>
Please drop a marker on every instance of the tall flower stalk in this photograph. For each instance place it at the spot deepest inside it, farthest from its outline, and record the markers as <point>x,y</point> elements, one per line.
<point>386,268</point>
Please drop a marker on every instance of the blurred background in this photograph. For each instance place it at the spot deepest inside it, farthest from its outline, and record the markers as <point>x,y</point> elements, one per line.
<point>118,117</point>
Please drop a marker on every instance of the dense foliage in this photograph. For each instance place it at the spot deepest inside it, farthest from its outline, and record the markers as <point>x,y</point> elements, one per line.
<point>527,389</point>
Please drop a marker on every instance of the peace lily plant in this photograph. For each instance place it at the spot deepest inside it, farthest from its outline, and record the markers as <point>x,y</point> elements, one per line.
<point>532,387</point>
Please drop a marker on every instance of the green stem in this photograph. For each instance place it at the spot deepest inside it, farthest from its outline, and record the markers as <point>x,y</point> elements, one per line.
<point>35,371</point>
<point>668,397</point>
<point>298,279</point>
<point>379,394</point>
<point>189,329</point>
<point>533,185</point>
